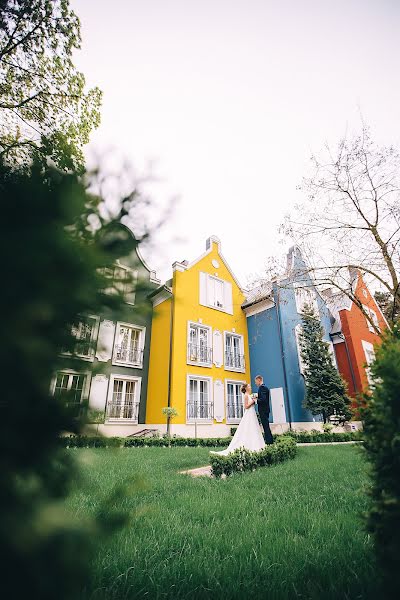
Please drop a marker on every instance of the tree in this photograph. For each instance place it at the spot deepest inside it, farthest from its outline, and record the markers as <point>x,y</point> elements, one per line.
<point>350,220</point>
<point>381,419</point>
<point>386,304</point>
<point>326,392</point>
<point>43,104</point>
<point>53,270</point>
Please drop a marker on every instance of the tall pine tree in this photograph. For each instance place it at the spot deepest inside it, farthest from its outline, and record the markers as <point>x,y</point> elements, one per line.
<point>326,392</point>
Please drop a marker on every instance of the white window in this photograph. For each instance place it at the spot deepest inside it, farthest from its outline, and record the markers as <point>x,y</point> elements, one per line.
<point>234,401</point>
<point>123,398</point>
<point>199,351</point>
<point>298,330</point>
<point>199,404</point>
<point>369,357</point>
<point>129,344</point>
<point>234,352</point>
<point>72,387</point>
<point>372,314</point>
<point>216,293</point>
<point>305,296</point>
<point>122,280</point>
<point>85,332</point>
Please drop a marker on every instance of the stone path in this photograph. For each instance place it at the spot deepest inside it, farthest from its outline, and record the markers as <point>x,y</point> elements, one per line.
<point>199,472</point>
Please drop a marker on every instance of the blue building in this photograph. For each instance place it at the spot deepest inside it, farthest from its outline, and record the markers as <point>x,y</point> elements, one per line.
<point>274,323</point>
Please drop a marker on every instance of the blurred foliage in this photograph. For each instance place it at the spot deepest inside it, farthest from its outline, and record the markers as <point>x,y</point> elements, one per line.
<point>54,269</point>
<point>44,107</point>
<point>388,306</point>
<point>326,392</point>
<point>381,416</point>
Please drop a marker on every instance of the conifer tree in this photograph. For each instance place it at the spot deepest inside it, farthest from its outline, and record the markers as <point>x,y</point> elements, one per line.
<point>326,392</point>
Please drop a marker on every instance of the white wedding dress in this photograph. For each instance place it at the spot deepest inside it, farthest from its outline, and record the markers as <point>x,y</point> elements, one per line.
<point>248,434</point>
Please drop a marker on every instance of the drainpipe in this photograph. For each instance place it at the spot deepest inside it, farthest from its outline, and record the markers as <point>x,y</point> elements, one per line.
<point>353,379</point>
<point>277,304</point>
<point>171,326</point>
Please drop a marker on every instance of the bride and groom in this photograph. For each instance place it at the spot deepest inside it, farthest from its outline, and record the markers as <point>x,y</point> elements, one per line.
<point>248,434</point>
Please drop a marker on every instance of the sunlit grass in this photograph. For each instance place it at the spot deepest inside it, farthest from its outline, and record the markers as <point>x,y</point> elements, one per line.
<point>293,530</point>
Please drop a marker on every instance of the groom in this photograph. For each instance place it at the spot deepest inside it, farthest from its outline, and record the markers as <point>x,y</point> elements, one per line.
<point>263,408</point>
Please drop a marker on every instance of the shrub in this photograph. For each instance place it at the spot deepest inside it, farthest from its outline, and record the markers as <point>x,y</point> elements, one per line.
<point>317,437</point>
<point>381,416</point>
<point>81,441</point>
<point>244,460</point>
<point>233,431</point>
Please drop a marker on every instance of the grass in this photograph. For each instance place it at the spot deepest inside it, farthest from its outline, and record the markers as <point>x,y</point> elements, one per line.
<point>293,530</point>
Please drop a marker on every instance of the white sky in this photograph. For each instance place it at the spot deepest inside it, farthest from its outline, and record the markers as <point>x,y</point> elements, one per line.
<point>228,98</point>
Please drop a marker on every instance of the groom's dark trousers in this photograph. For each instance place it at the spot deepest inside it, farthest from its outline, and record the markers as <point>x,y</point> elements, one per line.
<point>263,411</point>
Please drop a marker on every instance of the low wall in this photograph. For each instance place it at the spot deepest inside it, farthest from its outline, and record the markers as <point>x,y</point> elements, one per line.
<point>203,430</point>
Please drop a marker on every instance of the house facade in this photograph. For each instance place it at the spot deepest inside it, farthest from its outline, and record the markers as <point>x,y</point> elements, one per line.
<point>353,335</point>
<point>115,349</point>
<point>199,353</point>
<point>273,313</point>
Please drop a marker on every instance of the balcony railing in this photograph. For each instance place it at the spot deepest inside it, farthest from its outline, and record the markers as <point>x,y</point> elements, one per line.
<point>132,356</point>
<point>122,410</point>
<point>199,354</point>
<point>234,360</point>
<point>200,410</point>
<point>234,410</point>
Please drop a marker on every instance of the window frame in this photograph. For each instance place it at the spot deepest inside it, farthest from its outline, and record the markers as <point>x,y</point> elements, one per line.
<point>93,340</point>
<point>71,373</point>
<point>368,348</point>
<point>208,419</point>
<point>197,363</point>
<point>113,290</point>
<point>241,348</point>
<point>299,288</point>
<point>233,420</point>
<point>142,339</point>
<point>138,390</point>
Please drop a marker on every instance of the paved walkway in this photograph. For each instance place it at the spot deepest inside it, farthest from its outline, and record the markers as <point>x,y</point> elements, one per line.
<point>199,472</point>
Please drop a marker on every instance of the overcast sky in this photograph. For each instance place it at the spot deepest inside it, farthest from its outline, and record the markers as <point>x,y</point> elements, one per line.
<point>227,99</point>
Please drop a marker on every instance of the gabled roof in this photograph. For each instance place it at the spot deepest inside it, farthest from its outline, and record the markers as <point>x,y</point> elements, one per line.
<point>259,293</point>
<point>209,243</point>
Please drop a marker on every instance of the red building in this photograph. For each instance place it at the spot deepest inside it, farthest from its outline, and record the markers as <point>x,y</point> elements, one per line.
<point>353,336</point>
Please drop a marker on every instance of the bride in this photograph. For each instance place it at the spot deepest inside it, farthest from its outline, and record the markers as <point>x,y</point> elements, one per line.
<point>248,435</point>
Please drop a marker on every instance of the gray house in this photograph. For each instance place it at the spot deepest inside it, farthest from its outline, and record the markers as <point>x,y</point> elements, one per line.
<point>116,349</point>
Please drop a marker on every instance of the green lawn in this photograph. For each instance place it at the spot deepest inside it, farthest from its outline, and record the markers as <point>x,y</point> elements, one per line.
<point>293,530</point>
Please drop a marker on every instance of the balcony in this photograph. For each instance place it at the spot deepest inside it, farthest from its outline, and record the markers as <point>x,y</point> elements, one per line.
<point>128,356</point>
<point>234,411</point>
<point>234,361</point>
<point>122,411</point>
<point>200,411</point>
<point>199,355</point>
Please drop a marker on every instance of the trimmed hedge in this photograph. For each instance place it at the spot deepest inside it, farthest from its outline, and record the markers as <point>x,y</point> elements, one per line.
<point>316,437</point>
<point>81,441</point>
<point>243,460</point>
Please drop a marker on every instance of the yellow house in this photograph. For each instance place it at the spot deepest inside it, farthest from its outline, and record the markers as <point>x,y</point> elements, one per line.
<point>199,348</point>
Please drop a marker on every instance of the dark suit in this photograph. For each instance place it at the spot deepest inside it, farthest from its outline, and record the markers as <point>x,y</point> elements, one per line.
<point>263,411</point>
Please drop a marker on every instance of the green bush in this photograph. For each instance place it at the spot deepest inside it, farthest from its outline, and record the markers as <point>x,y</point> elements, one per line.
<point>381,416</point>
<point>317,437</point>
<point>244,460</point>
<point>233,431</point>
<point>81,441</point>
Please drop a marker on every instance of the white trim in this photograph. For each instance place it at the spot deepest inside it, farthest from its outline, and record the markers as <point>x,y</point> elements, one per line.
<point>161,296</point>
<point>232,381</point>
<point>142,339</point>
<point>190,376</point>
<point>85,389</point>
<point>368,350</point>
<point>258,307</point>
<point>138,389</point>
<point>241,347</point>
<point>297,331</point>
<point>152,274</point>
<point>215,239</point>
<point>209,344</point>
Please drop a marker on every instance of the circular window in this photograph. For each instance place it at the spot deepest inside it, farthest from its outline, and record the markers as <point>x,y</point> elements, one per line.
<point>215,264</point>
<point>365,293</point>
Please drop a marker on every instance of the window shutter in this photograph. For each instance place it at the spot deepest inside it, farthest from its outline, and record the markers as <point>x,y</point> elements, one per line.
<point>217,348</point>
<point>203,289</point>
<point>228,303</point>
<point>105,341</point>
<point>210,300</point>
<point>219,403</point>
<point>98,392</point>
